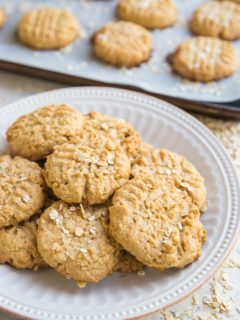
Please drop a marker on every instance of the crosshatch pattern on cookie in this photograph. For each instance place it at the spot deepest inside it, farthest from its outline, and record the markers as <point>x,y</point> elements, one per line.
<point>122,44</point>
<point>205,59</point>
<point>217,19</point>
<point>148,13</point>
<point>48,28</point>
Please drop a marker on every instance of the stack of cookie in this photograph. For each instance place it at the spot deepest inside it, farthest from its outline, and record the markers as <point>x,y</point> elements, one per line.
<point>86,197</point>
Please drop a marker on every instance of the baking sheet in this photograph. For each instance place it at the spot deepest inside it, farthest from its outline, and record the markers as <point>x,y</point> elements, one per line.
<point>77,60</point>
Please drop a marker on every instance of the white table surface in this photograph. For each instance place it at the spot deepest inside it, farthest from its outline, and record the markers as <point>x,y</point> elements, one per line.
<point>220,297</point>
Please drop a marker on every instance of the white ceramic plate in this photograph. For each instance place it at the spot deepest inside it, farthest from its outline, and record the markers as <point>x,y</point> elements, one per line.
<point>47,295</point>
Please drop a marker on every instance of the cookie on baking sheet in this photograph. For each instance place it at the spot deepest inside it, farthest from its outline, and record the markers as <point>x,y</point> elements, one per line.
<point>173,165</point>
<point>150,14</point>
<point>34,135</point>
<point>21,190</point>
<point>117,129</point>
<point>87,171</point>
<point>74,240</point>
<point>18,246</point>
<point>48,28</point>
<point>2,17</point>
<point>157,222</point>
<point>128,264</point>
<point>122,44</point>
<point>204,59</point>
<point>217,19</point>
<point>237,1</point>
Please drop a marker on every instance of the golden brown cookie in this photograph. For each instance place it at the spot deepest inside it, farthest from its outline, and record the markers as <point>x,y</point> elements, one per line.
<point>48,28</point>
<point>18,246</point>
<point>2,17</point>
<point>217,19</point>
<point>150,14</point>
<point>21,190</point>
<point>87,171</point>
<point>157,222</point>
<point>237,1</point>
<point>74,240</point>
<point>122,44</point>
<point>128,264</point>
<point>170,164</point>
<point>34,135</point>
<point>117,129</point>
<point>205,59</point>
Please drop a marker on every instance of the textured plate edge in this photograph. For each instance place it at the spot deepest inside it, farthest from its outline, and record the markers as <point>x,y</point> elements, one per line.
<point>150,103</point>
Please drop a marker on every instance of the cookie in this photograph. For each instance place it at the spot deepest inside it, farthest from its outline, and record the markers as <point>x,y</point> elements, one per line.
<point>237,1</point>
<point>204,59</point>
<point>21,190</point>
<point>122,44</point>
<point>217,19</point>
<point>34,135</point>
<point>150,14</point>
<point>170,164</point>
<point>74,240</point>
<point>157,222</point>
<point>48,28</point>
<point>2,17</point>
<point>128,264</point>
<point>18,246</point>
<point>117,129</point>
<point>87,171</point>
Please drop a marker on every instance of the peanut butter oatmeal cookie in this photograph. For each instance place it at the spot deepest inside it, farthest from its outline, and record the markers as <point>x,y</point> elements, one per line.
<point>217,19</point>
<point>34,135</point>
<point>122,44</point>
<point>205,59</point>
<point>157,222</point>
<point>117,129</point>
<point>74,240</point>
<point>128,264</point>
<point>87,171</point>
<point>170,164</point>
<point>21,190</point>
<point>48,28</point>
<point>18,246</point>
<point>150,14</point>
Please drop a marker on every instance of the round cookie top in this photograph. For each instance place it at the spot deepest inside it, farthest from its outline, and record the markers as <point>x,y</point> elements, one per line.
<point>48,28</point>
<point>237,1</point>
<point>204,59</point>
<point>217,19</point>
<point>157,222</point>
<point>21,190</point>
<point>2,17</point>
<point>74,240</point>
<point>150,14</point>
<point>128,264</point>
<point>18,246</point>
<point>87,171</point>
<point>117,129</point>
<point>34,135</point>
<point>122,44</point>
<point>172,165</point>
